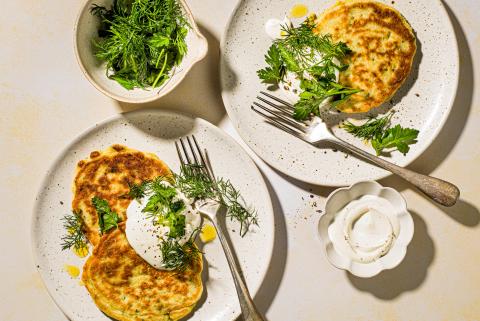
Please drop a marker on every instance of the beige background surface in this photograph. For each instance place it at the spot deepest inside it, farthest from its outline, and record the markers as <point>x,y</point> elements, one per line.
<point>46,102</point>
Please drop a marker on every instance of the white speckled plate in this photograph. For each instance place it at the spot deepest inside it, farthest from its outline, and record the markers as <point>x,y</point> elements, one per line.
<point>423,102</point>
<point>154,131</point>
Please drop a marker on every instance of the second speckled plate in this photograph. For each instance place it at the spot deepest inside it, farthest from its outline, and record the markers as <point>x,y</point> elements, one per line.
<point>155,131</point>
<point>423,102</point>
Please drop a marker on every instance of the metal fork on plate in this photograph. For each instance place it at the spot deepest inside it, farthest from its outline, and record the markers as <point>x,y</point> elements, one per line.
<point>279,113</point>
<point>190,153</point>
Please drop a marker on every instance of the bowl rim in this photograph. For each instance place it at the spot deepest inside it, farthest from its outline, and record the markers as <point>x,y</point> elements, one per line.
<point>155,95</point>
<point>377,266</point>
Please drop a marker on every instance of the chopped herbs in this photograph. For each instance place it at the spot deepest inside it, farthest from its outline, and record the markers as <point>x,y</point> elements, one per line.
<point>315,60</point>
<point>141,41</point>
<point>382,136</point>
<point>75,236</point>
<point>107,219</point>
<point>176,256</point>
<point>194,181</point>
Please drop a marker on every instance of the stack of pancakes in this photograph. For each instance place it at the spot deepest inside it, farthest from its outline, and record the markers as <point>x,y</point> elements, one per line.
<point>121,283</point>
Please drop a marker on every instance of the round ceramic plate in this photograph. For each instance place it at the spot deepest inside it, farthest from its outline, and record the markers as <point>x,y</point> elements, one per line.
<point>423,102</point>
<point>155,131</point>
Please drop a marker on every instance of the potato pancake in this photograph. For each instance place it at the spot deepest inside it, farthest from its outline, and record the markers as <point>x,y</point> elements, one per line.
<point>383,47</point>
<point>127,288</point>
<point>107,174</point>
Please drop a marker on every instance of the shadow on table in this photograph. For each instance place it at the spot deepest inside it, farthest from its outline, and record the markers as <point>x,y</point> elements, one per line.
<point>409,275</point>
<point>276,269</point>
<point>451,132</point>
<point>199,93</point>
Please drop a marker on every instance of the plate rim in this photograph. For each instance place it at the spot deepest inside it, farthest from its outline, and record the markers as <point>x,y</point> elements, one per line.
<point>456,58</point>
<point>64,150</point>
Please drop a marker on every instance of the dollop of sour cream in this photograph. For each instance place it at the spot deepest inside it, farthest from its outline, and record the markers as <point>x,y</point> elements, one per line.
<point>145,237</point>
<point>365,229</point>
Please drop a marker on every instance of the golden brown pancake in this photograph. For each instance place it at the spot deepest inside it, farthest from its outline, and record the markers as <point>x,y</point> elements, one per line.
<point>383,46</point>
<point>107,174</point>
<point>127,288</point>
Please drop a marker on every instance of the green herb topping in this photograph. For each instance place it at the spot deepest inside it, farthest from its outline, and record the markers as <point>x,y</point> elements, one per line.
<point>75,236</point>
<point>382,136</point>
<point>298,51</point>
<point>141,40</point>
<point>176,256</point>
<point>196,183</point>
<point>107,219</point>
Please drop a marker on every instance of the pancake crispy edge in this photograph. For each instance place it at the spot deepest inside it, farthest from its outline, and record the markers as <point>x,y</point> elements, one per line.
<point>107,174</point>
<point>383,48</point>
<point>127,288</point>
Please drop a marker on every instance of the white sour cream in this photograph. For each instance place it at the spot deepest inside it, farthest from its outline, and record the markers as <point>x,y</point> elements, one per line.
<point>365,229</point>
<point>145,237</point>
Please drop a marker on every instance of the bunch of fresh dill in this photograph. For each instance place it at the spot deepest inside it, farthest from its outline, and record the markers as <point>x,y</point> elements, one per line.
<point>315,59</point>
<point>141,40</point>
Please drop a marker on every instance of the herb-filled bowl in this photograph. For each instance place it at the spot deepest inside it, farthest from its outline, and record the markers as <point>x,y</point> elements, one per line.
<point>147,52</point>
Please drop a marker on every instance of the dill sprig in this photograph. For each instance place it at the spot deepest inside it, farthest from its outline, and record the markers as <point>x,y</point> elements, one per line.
<point>315,59</point>
<point>75,236</point>
<point>370,129</point>
<point>176,256</point>
<point>196,184</point>
<point>141,41</point>
<point>194,181</point>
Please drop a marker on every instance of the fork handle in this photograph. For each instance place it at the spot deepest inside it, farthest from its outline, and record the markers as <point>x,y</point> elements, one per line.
<point>440,191</point>
<point>249,310</point>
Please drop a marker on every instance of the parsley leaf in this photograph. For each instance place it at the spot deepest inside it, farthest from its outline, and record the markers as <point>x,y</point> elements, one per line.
<point>397,137</point>
<point>107,219</point>
<point>274,73</point>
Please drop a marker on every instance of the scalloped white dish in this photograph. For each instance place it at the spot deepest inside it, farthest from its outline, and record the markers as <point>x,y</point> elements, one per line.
<point>86,29</point>
<point>340,198</point>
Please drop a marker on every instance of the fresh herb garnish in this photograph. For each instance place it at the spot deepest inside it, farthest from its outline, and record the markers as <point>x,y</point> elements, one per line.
<point>176,256</point>
<point>196,183</point>
<point>382,136</point>
<point>396,138</point>
<point>315,59</point>
<point>370,129</point>
<point>141,40</point>
<point>107,219</point>
<point>161,205</point>
<point>274,73</point>
<point>75,236</point>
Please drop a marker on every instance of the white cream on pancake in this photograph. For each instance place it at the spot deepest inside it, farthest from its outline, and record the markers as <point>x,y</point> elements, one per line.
<point>145,236</point>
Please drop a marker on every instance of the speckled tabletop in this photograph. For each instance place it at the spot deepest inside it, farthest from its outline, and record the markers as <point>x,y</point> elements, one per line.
<point>46,102</point>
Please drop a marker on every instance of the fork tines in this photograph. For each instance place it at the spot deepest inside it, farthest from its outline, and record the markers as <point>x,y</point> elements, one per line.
<point>278,113</point>
<point>190,153</point>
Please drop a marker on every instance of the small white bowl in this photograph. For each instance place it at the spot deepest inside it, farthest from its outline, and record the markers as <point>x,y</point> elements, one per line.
<point>339,199</point>
<point>86,28</point>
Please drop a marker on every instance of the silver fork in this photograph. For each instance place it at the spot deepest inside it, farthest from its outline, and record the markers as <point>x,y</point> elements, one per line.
<point>279,113</point>
<point>190,153</point>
